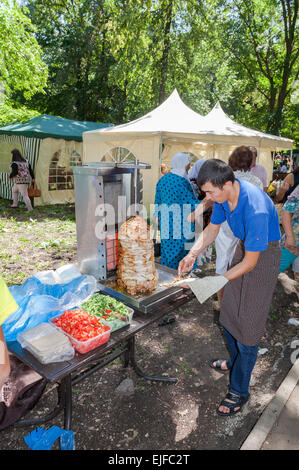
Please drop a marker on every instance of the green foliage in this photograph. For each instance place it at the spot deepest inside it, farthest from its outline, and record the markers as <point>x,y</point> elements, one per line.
<point>261,38</point>
<point>9,115</point>
<point>21,66</point>
<point>114,60</point>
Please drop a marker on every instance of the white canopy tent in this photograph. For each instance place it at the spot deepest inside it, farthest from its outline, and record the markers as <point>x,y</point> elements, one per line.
<point>173,127</point>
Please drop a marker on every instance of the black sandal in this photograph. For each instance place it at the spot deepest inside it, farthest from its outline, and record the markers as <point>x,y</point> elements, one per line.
<point>236,402</point>
<point>218,365</point>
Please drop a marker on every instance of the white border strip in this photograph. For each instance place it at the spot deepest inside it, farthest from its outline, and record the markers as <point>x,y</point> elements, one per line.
<point>270,415</point>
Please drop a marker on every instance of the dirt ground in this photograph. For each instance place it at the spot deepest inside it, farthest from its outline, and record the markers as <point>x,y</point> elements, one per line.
<point>181,416</point>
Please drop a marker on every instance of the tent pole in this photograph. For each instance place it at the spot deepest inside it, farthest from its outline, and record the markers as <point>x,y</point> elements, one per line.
<point>259,151</point>
<point>160,154</point>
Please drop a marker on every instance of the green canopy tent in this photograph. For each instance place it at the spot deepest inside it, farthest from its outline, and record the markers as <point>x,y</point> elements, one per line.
<point>53,146</point>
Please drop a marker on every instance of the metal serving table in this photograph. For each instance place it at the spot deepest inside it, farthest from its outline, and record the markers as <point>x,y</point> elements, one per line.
<point>66,374</point>
<point>167,290</point>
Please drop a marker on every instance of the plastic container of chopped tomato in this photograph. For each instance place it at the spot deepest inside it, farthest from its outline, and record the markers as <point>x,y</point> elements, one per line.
<point>86,332</point>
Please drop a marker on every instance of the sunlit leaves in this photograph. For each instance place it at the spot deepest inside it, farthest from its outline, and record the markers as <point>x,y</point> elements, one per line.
<point>21,65</point>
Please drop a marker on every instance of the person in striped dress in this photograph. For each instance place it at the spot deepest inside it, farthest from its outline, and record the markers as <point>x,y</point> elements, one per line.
<point>22,175</point>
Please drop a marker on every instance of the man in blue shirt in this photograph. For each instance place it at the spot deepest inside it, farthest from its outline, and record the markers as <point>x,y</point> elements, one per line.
<point>254,219</point>
<point>252,275</point>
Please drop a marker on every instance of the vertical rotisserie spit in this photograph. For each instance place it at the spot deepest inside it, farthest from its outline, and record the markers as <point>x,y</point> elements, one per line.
<point>136,271</point>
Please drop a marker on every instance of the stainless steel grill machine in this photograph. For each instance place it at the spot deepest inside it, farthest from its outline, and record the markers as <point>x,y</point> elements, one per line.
<point>106,195</point>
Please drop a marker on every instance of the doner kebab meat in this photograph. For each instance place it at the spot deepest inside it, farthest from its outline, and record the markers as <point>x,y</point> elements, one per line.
<point>136,270</point>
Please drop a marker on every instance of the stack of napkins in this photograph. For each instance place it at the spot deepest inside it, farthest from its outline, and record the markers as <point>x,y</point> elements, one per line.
<point>47,344</point>
<point>205,287</point>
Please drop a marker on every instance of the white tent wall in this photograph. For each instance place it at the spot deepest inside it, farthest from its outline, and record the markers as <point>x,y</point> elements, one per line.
<point>198,150</point>
<point>48,149</point>
<point>146,150</point>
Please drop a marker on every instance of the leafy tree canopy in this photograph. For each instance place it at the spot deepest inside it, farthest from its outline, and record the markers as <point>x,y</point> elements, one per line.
<point>22,69</point>
<point>114,60</point>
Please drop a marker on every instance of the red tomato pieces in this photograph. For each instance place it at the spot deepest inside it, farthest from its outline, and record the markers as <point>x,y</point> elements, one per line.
<point>80,325</point>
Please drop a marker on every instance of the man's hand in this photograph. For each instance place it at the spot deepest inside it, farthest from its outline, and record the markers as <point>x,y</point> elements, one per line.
<point>204,240</point>
<point>186,264</point>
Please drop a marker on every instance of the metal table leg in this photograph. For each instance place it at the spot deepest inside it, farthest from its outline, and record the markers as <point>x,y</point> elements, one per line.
<point>67,384</point>
<point>131,346</point>
<point>126,358</point>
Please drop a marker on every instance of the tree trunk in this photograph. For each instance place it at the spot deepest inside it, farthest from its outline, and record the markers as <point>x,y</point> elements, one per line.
<point>166,47</point>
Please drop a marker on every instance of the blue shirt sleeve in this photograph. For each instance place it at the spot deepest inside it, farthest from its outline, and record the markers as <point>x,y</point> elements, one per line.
<point>218,214</point>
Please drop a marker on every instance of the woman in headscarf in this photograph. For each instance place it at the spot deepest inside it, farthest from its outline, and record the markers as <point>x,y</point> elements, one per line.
<point>174,201</point>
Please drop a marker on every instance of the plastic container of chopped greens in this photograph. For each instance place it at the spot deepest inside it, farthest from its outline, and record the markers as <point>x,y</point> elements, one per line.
<point>112,312</point>
<point>117,320</point>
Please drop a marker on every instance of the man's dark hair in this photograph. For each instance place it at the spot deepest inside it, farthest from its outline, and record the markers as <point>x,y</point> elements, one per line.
<point>216,172</point>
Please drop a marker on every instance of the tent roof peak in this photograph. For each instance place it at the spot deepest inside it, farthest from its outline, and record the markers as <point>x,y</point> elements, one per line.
<point>217,109</point>
<point>173,119</point>
<point>217,105</point>
<point>173,115</point>
<point>174,102</point>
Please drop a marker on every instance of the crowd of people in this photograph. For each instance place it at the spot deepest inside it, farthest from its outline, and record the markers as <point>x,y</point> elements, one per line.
<point>282,163</point>
<point>235,213</point>
<point>250,251</point>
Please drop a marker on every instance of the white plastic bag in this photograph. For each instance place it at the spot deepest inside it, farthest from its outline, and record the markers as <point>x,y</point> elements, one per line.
<point>62,275</point>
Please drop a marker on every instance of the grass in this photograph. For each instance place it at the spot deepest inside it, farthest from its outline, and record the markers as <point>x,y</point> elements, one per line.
<point>39,240</point>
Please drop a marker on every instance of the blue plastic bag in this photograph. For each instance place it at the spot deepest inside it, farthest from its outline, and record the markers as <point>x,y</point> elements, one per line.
<point>40,302</point>
<point>42,439</point>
